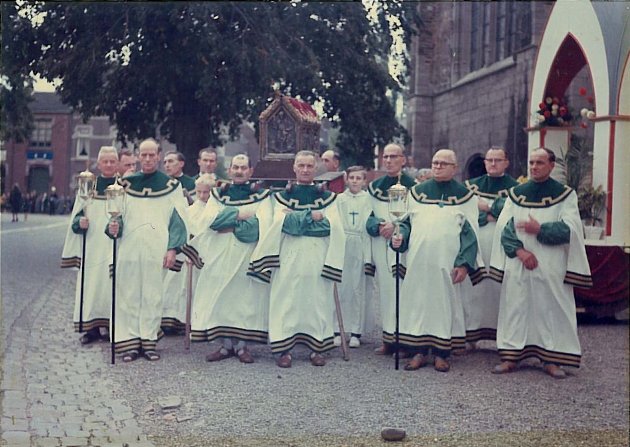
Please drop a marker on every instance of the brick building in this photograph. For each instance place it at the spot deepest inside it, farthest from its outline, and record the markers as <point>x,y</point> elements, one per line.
<point>471,78</point>
<point>60,147</point>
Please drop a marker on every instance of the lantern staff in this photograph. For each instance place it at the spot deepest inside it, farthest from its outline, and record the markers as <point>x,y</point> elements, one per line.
<point>86,182</point>
<point>115,208</point>
<point>398,211</point>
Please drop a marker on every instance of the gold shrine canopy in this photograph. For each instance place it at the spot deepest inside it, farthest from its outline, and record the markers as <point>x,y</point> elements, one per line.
<point>287,126</point>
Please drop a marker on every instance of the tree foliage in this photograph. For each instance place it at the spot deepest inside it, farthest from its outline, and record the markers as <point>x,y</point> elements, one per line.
<point>16,86</point>
<point>192,69</point>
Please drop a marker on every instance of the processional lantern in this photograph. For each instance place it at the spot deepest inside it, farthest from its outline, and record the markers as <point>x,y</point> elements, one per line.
<point>86,182</point>
<point>287,126</point>
<point>397,206</point>
<point>115,195</point>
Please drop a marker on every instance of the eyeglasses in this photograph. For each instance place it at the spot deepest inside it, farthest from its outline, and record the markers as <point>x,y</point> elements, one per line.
<point>441,164</point>
<point>493,160</point>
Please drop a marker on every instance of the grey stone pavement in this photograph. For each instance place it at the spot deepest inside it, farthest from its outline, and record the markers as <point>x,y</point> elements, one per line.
<point>54,393</point>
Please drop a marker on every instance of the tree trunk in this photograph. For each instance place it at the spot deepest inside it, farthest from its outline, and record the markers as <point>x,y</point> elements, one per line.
<point>190,133</point>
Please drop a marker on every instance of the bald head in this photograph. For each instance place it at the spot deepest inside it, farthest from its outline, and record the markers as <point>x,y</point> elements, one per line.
<point>331,160</point>
<point>149,155</point>
<point>444,165</point>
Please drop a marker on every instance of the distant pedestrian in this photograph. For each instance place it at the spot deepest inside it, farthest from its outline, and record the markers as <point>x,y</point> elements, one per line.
<point>15,199</point>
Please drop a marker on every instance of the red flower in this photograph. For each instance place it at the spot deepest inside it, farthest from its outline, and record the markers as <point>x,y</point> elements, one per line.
<point>547,114</point>
<point>563,110</point>
<point>582,91</point>
<point>541,106</point>
<point>556,100</point>
<point>583,125</point>
<point>590,100</point>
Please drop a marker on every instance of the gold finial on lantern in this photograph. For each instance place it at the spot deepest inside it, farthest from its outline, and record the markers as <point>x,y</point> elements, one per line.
<point>115,199</point>
<point>397,207</point>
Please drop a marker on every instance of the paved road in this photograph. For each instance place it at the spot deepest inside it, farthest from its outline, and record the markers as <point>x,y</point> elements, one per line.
<point>55,392</point>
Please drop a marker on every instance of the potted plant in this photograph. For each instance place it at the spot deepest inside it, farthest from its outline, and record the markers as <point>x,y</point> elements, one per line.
<point>592,203</point>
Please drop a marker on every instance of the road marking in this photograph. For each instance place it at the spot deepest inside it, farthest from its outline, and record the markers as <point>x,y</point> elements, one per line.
<point>43,227</point>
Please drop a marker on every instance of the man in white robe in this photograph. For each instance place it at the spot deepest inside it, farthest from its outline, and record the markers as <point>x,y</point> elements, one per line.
<point>151,231</point>
<point>88,220</point>
<point>481,305</point>
<point>230,306</point>
<point>303,251</point>
<point>442,253</point>
<point>380,227</point>
<point>538,256</point>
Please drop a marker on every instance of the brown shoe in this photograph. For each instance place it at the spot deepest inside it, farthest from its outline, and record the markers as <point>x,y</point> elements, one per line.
<point>417,362</point>
<point>244,356</point>
<point>554,371</point>
<point>284,361</point>
<point>441,365</point>
<point>385,349</point>
<point>317,359</point>
<point>220,354</point>
<point>504,367</point>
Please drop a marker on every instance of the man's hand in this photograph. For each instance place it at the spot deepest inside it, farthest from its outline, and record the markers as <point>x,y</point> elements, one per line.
<point>84,223</point>
<point>483,206</point>
<point>458,274</point>
<point>317,215</point>
<point>244,215</point>
<point>530,226</point>
<point>397,241</point>
<point>490,218</point>
<point>113,228</point>
<point>169,259</point>
<point>386,229</point>
<point>226,230</point>
<point>527,258</point>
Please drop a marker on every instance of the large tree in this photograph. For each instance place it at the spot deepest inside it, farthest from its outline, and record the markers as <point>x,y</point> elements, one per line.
<point>192,69</point>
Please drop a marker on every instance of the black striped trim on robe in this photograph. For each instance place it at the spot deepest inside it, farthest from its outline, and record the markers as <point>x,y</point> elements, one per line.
<point>302,339</point>
<point>578,280</point>
<point>247,335</point>
<point>73,262</point>
<point>477,276</point>
<point>262,276</point>
<point>402,271</point>
<point>111,271</point>
<point>485,333</point>
<point>544,355</point>
<point>172,323</point>
<point>192,254</point>
<point>495,274</point>
<point>331,273</point>
<point>426,341</point>
<point>177,267</point>
<point>265,263</point>
<point>92,324</point>
<point>137,344</point>
<point>369,269</point>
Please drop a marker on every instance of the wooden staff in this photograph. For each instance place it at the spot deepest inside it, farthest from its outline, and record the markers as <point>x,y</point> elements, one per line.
<point>188,304</point>
<point>342,333</point>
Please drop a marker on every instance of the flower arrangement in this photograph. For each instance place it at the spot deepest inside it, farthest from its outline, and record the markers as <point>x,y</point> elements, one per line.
<point>553,112</point>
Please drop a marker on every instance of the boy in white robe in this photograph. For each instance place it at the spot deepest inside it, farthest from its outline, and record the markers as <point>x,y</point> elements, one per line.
<point>354,209</point>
